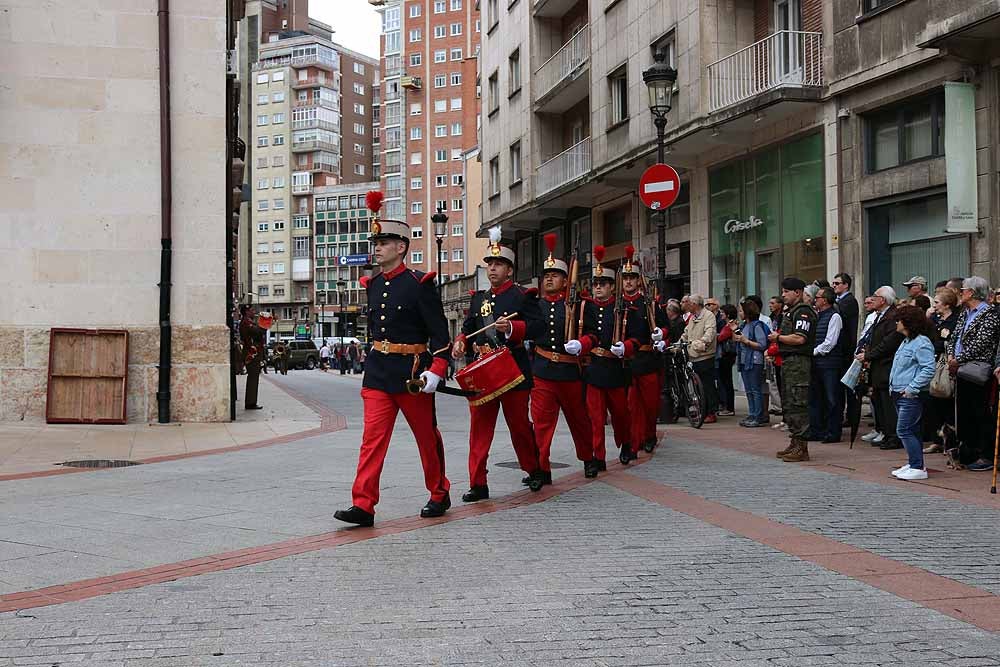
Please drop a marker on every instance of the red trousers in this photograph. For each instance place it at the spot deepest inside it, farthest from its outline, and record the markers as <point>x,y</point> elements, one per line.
<point>484,423</point>
<point>644,403</point>
<point>599,401</point>
<point>547,398</point>
<point>381,409</point>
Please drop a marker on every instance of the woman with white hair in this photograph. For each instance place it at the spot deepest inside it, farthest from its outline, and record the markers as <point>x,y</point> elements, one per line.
<point>972,357</point>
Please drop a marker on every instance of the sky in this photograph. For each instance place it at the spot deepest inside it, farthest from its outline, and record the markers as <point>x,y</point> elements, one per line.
<point>356,24</point>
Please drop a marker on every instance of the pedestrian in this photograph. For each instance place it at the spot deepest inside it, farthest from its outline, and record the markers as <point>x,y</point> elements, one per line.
<point>700,333</point>
<point>363,357</point>
<point>751,340</point>
<point>972,349</point>
<point>796,339</point>
<point>412,323</point>
<point>849,311</point>
<point>915,286</point>
<point>909,377</point>
<point>772,359</point>
<point>281,357</point>
<point>340,354</point>
<point>252,337</point>
<point>324,357</point>
<point>940,411</point>
<point>880,348</point>
<point>712,305</point>
<point>826,410</point>
<point>726,356</point>
<point>503,299</point>
<point>352,357</point>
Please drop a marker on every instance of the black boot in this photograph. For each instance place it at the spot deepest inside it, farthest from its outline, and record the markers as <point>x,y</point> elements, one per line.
<point>589,470</point>
<point>355,515</point>
<point>600,465</point>
<point>649,445</point>
<point>536,481</point>
<point>546,477</point>
<point>435,509</point>
<point>626,455</point>
<point>476,494</point>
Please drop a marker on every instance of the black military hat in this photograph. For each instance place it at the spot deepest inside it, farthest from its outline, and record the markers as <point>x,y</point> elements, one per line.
<point>792,283</point>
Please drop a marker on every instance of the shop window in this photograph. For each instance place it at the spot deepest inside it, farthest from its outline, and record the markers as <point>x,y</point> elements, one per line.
<point>618,226</point>
<point>905,133</point>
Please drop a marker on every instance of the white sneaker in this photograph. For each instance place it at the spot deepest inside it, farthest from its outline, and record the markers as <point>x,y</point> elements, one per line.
<point>878,439</point>
<point>899,470</point>
<point>871,435</point>
<point>912,474</point>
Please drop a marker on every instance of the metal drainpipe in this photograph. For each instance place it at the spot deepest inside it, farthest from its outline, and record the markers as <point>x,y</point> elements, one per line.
<point>166,203</point>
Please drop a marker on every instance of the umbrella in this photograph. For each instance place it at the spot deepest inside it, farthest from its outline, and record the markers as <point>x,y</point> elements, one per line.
<point>854,409</point>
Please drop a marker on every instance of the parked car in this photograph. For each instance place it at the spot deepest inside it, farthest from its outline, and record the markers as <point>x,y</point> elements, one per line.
<point>302,354</point>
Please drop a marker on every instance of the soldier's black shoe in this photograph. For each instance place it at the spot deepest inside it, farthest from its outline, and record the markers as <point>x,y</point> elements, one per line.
<point>526,480</point>
<point>649,445</point>
<point>546,477</point>
<point>589,470</point>
<point>475,494</point>
<point>536,480</point>
<point>626,455</point>
<point>600,465</point>
<point>355,515</point>
<point>254,407</point>
<point>434,509</point>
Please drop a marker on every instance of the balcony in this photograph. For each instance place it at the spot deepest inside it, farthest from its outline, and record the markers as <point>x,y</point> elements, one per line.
<point>315,60</point>
<point>312,82</point>
<point>552,8</point>
<point>788,62</point>
<point>333,105</point>
<point>315,123</point>
<point>314,145</point>
<point>569,165</point>
<point>561,81</point>
<point>302,188</point>
<point>320,165</point>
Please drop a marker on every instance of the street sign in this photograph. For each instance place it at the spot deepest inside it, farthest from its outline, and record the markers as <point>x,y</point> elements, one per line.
<point>659,186</point>
<point>352,260</point>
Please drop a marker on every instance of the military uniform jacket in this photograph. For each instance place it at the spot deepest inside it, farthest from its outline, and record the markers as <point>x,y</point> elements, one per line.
<point>598,329</point>
<point>404,308</point>
<point>801,319</point>
<point>487,305</point>
<point>251,335</point>
<point>638,334</point>
<point>553,339</point>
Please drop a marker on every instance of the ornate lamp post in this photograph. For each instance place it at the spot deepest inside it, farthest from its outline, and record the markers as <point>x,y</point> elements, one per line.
<point>440,221</point>
<point>660,79</point>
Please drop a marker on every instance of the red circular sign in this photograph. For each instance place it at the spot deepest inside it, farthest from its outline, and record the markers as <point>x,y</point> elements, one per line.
<point>659,186</point>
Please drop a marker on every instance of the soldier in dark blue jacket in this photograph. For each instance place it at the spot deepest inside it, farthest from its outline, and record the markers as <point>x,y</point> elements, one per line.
<point>486,307</point>
<point>405,321</point>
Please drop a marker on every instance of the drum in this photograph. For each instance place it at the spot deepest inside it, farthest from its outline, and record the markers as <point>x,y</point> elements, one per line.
<point>490,376</point>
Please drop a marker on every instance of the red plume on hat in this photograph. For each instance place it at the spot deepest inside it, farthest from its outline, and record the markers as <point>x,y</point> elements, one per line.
<point>373,200</point>
<point>629,252</point>
<point>550,243</point>
<point>599,253</point>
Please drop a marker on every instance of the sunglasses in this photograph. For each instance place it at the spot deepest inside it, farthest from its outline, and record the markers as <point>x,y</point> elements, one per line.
<point>836,282</point>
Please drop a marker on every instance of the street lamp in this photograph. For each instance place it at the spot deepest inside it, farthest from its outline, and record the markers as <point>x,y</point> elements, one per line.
<point>660,79</point>
<point>440,221</point>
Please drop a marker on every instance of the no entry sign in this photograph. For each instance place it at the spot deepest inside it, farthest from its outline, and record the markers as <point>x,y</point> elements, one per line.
<point>659,186</point>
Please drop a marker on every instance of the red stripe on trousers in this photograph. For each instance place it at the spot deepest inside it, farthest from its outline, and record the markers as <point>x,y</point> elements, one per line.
<point>484,423</point>
<point>599,401</point>
<point>381,409</point>
<point>547,397</point>
<point>644,402</point>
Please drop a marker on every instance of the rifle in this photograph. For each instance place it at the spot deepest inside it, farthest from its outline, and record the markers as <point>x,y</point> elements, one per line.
<point>619,308</point>
<point>573,296</point>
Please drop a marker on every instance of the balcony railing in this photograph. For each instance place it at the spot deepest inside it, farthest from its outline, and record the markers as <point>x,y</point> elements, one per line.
<point>324,166</point>
<point>564,62</point>
<point>314,123</point>
<point>326,104</point>
<point>785,59</point>
<point>572,163</point>
<point>306,146</point>
<point>301,188</point>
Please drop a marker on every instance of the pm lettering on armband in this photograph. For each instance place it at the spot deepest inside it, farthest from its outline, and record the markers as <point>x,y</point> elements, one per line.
<point>803,325</point>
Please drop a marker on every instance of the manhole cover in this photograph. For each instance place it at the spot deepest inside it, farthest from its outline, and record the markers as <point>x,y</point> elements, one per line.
<point>99,463</point>
<point>517,466</point>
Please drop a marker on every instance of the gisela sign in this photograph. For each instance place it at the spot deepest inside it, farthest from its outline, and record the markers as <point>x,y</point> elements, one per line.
<point>734,226</point>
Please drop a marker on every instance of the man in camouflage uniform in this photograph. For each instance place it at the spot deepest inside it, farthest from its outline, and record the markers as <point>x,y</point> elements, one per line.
<point>796,339</point>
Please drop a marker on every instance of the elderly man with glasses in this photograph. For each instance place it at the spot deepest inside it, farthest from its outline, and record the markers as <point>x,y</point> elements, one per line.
<point>878,353</point>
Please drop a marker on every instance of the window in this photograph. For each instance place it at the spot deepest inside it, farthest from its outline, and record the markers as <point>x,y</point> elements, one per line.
<point>493,90</point>
<point>456,5</point>
<point>457,179</point>
<point>359,68</point>
<point>278,140</point>
<point>359,128</point>
<point>440,80</point>
<point>416,133</point>
<point>262,183</point>
<point>278,161</point>
<point>301,247</point>
<point>417,257</point>
<point>456,153</point>
<point>439,6</point>
<point>440,106</point>
<point>618,84</point>
<point>263,205</point>
<point>279,204</point>
<point>278,76</point>
<point>515,163</point>
<point>441,180</point>
<point>457,205</point>
<point>262,163</point>
<point>359,88</point>
<point>456,29</point>
<point>417,232</point>
<point>441,205</point>
<point>415,109</point>
<point>872,5</point>
<point>359,108</point>
<point>262,120</point>
<point>456,78</point>
<point>279,226</point>
<point>277,119</point>
<point>456,129</point>
<point>279,96</point>
<point>478,26</point>
<point>441,155</point>
<point>359,169</point>
<point>263,99</point>
<point>456,255</point>
<point>415,35</point>
<point>414,10</point>
<point>416,158</point>
<point>263,268</point>
<point>493,12</point>
<point>302,222</point>
<point>262,142</point>
<point>278,246</point>
<point>262,290</point>
<point>279,267</point>
<point>415,59</point>
<point>494,176</point>
<point>261,226</point>
<point>514,71</point>
<point>278,182</point>
<point>440,31</point>
<point>416,207</point>
<point>262,78</point>
<point>416,183</point>
<point>440,56</point>
<point>457,230</point>
<point>456,54</point>
<point>440,130</point>
<point>279,290</point>
<point>456,103</point>
<point>359,149</point>
<point>911,131</point>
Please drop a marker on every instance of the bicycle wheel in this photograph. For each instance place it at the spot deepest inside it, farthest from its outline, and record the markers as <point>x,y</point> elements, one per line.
<point>695,399</point>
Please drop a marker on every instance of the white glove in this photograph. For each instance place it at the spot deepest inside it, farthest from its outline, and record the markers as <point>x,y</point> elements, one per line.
<point>573,347</point>
<point>657,335</point>
<point>660,345</point>
<point>431,381</point>
<point>618,349</point>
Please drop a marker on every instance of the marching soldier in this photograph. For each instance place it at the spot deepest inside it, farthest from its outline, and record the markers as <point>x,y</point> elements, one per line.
<point>252,337</point>
<point>796,339</point>
<point>642,334</point>
<point>406,319</point>
<point>605,376</point>
<point>281,358</point>
<point>488,306</point>
<point>556,373</point>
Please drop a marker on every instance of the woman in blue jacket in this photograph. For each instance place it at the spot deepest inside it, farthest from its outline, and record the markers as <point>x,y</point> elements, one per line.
<point>752,342</point>
<point>910,376</point>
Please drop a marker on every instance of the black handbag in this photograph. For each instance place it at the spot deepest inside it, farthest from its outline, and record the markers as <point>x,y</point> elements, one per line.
<point>976,372</point>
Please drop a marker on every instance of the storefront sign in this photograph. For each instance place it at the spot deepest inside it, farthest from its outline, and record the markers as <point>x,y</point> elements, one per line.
<point>734,226</point>
<point>647,257</point>
<point>960,159</point>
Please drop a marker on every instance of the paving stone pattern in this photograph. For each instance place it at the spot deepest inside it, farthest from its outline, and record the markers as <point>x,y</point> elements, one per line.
<point>946,537</point>
<point>538,585</point>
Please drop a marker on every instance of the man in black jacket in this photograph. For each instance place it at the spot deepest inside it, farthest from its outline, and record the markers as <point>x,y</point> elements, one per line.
<point>849,311</point>
<point>878,354</point>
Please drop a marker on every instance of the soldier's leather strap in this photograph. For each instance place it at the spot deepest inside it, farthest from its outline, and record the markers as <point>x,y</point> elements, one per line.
<point>385,347</point>
<point>557,357</point>
<point>601,352</point>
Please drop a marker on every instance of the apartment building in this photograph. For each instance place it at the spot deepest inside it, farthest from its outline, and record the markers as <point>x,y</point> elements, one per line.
<point>428,122</point>
<point>786,165</point>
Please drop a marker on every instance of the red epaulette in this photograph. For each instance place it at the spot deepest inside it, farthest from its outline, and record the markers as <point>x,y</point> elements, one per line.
<point>531,291</point>
<point>427,277</point>
<point>472,292</point>
<point>364,280</point>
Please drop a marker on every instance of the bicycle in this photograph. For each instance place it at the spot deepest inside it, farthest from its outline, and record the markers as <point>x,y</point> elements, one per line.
<point>684,385</point>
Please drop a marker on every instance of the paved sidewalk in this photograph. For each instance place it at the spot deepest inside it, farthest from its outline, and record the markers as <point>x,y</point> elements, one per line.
<point>26,449</point>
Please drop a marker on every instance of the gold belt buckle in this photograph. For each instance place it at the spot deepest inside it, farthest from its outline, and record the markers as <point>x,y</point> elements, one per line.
<point>555,356</point>
<point>384,349</point>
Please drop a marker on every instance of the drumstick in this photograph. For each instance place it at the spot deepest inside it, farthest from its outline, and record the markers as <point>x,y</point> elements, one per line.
<point>477,332</point>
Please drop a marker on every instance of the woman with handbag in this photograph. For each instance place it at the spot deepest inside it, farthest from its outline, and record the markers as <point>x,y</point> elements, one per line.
<point>972,350</point>
<point>939,408</point>
<point>909,377</point>
<point>727,359</point>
